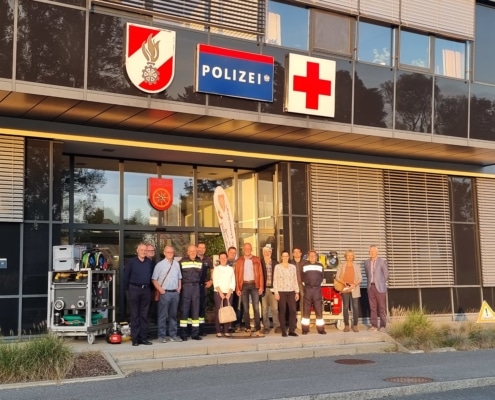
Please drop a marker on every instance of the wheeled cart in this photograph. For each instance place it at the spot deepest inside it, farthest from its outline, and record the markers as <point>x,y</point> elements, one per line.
<point>81,303</point>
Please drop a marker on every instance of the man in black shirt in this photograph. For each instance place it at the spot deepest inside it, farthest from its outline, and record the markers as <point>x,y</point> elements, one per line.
<point>137,280</point>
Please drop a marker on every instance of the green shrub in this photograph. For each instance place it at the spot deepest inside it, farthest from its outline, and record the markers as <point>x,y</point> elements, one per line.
<point>45,358</point>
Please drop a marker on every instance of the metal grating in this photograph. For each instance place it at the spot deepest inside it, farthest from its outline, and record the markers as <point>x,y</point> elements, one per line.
<point>419,243</point>
<point>347,209</point>
<point>11,179</point>
<point>485,190</point>
<point>236,15</point>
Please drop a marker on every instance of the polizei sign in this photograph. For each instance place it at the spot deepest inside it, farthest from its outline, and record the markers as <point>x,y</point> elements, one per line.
<point>234,73</point>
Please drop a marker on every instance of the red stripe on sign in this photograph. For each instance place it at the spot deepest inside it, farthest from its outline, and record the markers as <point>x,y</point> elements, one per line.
<point>138,35</point>
<point>220,51</point>
<point>165,75</point>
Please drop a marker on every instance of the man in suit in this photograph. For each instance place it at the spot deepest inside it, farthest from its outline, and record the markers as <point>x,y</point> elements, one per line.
<point>376,269</point>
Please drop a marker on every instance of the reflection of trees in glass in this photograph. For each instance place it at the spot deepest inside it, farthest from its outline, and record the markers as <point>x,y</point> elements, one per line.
<point>369,107</point>
<point>343,93</point>
<point>36,191</point>
<point>461,193</point>
<point>50,44</point>
<point>189,96</point>
<point>482,118</point>
<point>87,182</point>
<point>450,114</point>
<point>413,101</point>
<point>6,38</point>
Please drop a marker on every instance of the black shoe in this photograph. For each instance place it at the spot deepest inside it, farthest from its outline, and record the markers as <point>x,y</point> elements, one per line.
<point>196,338</point>
<point>146,342</point>
<point>305,332</point>
<point>203,334</point>
<point>135,343</point>
<point>293,334</point>
<point>284,334</point>
<point>322,332</point>
<point>184,338</point>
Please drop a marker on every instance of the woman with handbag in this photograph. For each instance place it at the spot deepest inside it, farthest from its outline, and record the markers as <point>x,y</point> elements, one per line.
<point>350,275</point>
<point>224,284</point>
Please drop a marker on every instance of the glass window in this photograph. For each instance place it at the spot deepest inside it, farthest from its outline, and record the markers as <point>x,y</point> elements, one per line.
<point>300,232</point>
<point>436,300</point>
<point>287,25</point>
<point>400,299</point>
<point>484,56</point>
<point>451,107</point>
<point>277,105</point>
<point>375,44</point>
<point>299,188</point>
<point>482,118</point>
<point>466,263</point>
<point>137,209</point>
<point>332,32</point>
<point>6,38</point>
<point>373,98</point>
<point>266,207</point>
<point>467,300</point>
<point>283,188</point>
<point>450,58</point>
<point>10,317</point>
<point>461,199</point>
<point>106,44</point>
<point>35,261</point>
<point>414,49</point>
<point>96,191</point>
<point>9,277</point>
<point>246,200</point>
<point>414,94</point>
<point>181,212</point>
<point>207,180</point>
<point>47,51</point>
<point>37,183</point>
<point>34,315</point>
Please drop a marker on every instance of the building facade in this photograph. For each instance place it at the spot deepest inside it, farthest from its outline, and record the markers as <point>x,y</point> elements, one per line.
<point>385,136</point>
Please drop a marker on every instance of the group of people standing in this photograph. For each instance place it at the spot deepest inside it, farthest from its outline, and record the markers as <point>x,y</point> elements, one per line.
<point>246,280</point>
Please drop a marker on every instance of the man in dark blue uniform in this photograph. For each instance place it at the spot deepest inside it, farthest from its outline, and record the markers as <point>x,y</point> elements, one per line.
<point>137,280</point>
<point>191,268</point>
<point>312,278</point>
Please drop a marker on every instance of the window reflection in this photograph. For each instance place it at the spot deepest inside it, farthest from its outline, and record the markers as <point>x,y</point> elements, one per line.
<point>137,209</point>
<point>7,35</point>
<point>37,183</point>
<point>462,202</point>
<point>287,26</point>
<point>484,56</point>
<point>49,52</point>
<point>206,182</point>
<point>373,99</point>
<point>299,188</point>
<point>181,212</point>
<point>35,258</point>
<point>96,191</point>
<point>450,58</point>
<point>482,118</point>
<point>277,105</point>
<point>375,44</point>
<point>451,107</point>
<point>413,102</point>
<point>266,207</point>
<point>415,49</point>
<point>332,32</point>
<point>247,203</point>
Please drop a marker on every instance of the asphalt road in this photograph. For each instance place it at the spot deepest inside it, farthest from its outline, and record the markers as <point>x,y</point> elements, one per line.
<point>296,379</point>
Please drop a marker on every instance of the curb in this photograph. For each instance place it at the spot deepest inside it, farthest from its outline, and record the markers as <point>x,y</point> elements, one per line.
<point>423,388</point>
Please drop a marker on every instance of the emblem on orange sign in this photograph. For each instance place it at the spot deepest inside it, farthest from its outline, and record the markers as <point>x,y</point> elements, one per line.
<point>160,193</point>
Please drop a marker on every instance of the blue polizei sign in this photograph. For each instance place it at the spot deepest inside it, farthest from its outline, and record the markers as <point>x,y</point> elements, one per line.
<point>234,73</point>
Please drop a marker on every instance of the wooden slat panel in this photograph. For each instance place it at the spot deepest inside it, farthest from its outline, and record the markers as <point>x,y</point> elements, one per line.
<point>485,189</point>
<point>11,178</point>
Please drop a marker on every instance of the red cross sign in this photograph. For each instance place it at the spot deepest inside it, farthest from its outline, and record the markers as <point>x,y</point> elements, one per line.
<point>309,85</point>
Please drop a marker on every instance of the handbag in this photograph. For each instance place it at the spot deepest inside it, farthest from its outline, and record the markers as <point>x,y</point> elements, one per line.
<point>339,286</point>
<point>156,293</point>
<point>226,314</point>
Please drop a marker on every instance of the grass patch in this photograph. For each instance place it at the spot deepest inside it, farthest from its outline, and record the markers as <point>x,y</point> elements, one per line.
<point>417,332</point>
<point>45,358</point>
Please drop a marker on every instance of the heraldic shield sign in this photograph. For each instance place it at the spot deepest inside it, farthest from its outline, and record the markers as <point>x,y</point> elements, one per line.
<point>150,57</point>
<point>160,193</point>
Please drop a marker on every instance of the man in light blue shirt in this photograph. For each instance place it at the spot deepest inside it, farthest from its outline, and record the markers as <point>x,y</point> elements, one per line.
<point>167,279</point>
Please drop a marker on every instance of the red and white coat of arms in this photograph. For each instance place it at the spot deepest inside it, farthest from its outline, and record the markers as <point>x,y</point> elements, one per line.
<point>150,57</point>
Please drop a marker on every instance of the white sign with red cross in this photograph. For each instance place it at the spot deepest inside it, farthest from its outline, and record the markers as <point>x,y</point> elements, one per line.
<point>310,85</point>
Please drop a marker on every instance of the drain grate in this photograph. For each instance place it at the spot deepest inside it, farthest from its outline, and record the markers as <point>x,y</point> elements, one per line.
<point>408,379</point>
<point>354,361</point>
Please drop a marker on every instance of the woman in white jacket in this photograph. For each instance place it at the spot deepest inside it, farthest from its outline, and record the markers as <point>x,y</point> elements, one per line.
<point>224,284</point>
<point>350,274</point>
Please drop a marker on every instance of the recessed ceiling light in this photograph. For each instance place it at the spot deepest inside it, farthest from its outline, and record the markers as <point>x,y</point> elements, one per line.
<point>229,161</point>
